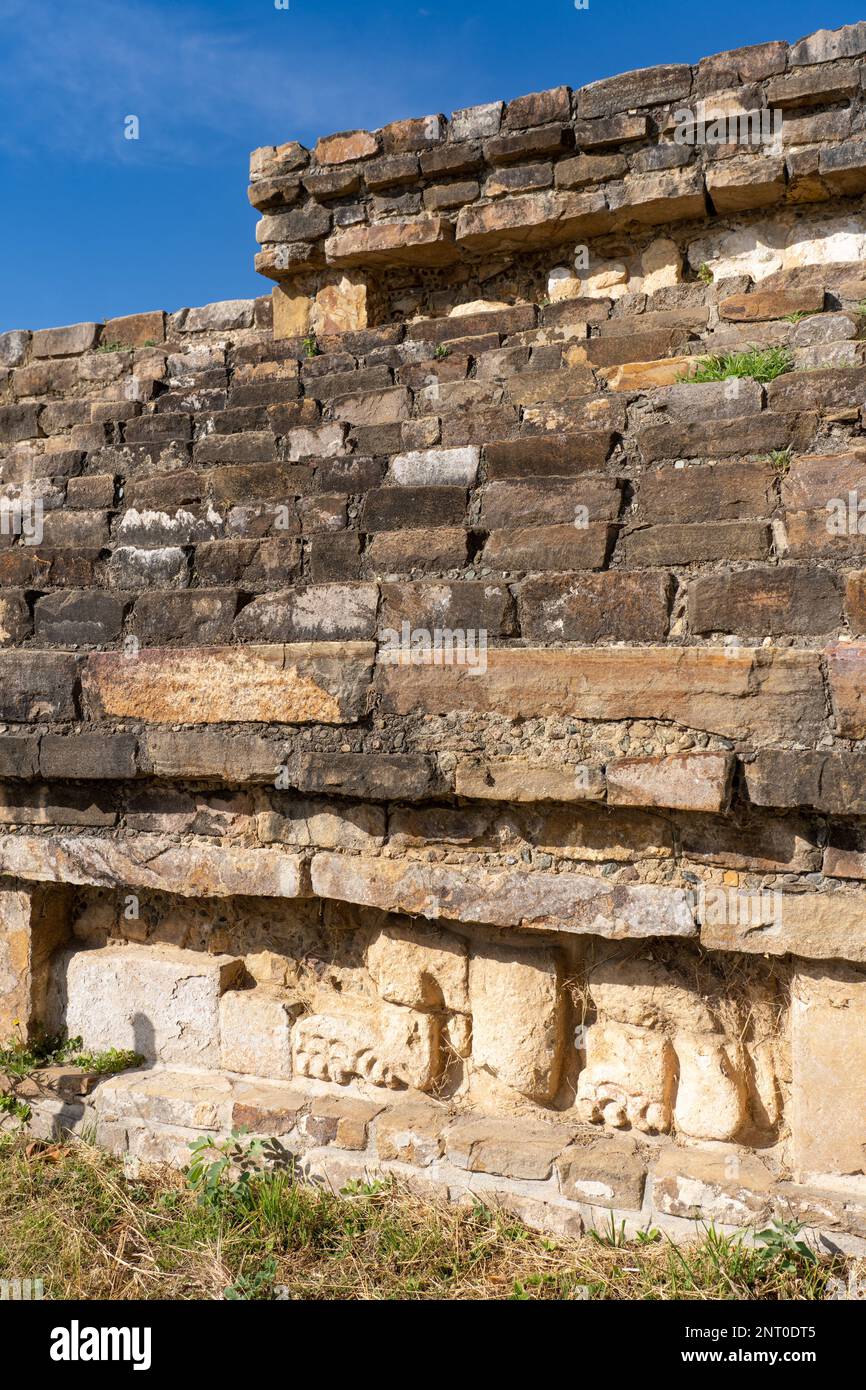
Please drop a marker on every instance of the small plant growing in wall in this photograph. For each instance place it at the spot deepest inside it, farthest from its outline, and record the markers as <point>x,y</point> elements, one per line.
<point>441,352</point>
<point>311,346</point>
<point>780,461</point>
<point>21,1060</point>
<point>704,273</point>
<point>761,364</point>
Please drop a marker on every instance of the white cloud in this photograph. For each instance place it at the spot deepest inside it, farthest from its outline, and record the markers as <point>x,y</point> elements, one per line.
<point>70,73</point>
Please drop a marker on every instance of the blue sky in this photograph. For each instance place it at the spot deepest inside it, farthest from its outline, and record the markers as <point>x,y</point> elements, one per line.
<point>94,225</point>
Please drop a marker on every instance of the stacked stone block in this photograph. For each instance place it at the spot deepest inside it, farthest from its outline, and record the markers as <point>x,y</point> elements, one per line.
<point>432,720</point>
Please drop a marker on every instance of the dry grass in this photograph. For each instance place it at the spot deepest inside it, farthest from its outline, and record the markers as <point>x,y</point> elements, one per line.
<point>70,1215</point>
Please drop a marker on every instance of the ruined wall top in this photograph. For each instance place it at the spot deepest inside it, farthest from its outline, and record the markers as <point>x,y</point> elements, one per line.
<point>643,148</point>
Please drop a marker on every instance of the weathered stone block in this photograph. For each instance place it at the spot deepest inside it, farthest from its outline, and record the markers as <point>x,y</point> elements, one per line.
<point>817,926</point>
<point>685,781</point>
<point>135,330</point>
<point>88,755</point>
<point>533,219</point>
<point>160,1001</point>
<point>308,682</point>
<point>699,688</point>
<point>731,1187</point>
<point>345,147</point>
<point>63,342</point>
<point>828,1117</point>
<point>80,618</point>
<point>416,241</point>
<point>319,612</point>
<point>255,1032</point>
<point>412,1132</point>
<point>515,780</point>
<point>423,969</point>
<point>385,1044</point>
<point>426,467</point>
<point>552,902</point>
<point>643,87</point>
<point>606,1172</point>
<point>510,1148</point>
<point>517,1018</point>
<point>594,607</point>
<point>32,925</point>
<point>37,685</point>
<point>152,861</point>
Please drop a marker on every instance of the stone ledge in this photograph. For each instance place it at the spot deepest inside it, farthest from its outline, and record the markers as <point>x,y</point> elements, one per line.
<point>150,861</point>
<point>537,900</point>
<point>554,1173</point>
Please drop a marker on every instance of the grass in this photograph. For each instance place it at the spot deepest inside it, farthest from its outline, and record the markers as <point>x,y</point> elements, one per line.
<point>780,461</point>
<point>19,1059</point>
<point>761,364</point>
<point>71,1215</point>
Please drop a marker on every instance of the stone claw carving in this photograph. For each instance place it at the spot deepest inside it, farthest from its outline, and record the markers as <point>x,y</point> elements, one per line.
<point>385,1044</point>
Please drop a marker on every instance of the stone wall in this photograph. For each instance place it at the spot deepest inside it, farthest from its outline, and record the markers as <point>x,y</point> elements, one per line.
<point>432,720</point>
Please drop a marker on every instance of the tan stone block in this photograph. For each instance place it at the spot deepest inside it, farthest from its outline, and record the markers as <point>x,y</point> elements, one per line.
<point>15,992</point>
<point>846,667</point>
<point>291,313</point>
<point>606,1172</point>
<point>346,146</point>
<point>643,376</point>
<point>341,307</point>
<point>33,925</point>
<point>683,781</point>
<point>339,1120</point>
<point>518,1018</point>
<point>135,330</point>
<point>554,1218</point>
<point>740,184</point>
<point>546,901</point>
<point>711,1097</point>
<point>267,967</point>
<point>195,1100</point>
<point>661,265</point>
<point>817,926</point>
<point>629,1077</point>
<point>266,1109</point>
<point>534,219</point>
<point>658,199</point>
<point>512,779</point>
<point>772,304</point>
<point>747,693</point>
<point>159,1001</point>
<point>384,1044</point>
<point>423,968</point>
<point>150,861</point>
<point>255,1032</point>
<point>411,1133</point>
<point>509,1148</point>
<point>641,991</point>
<point>413,241</point>
<point>315,682</point>
<point>729,1186</point>
<point>828,1097</point>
